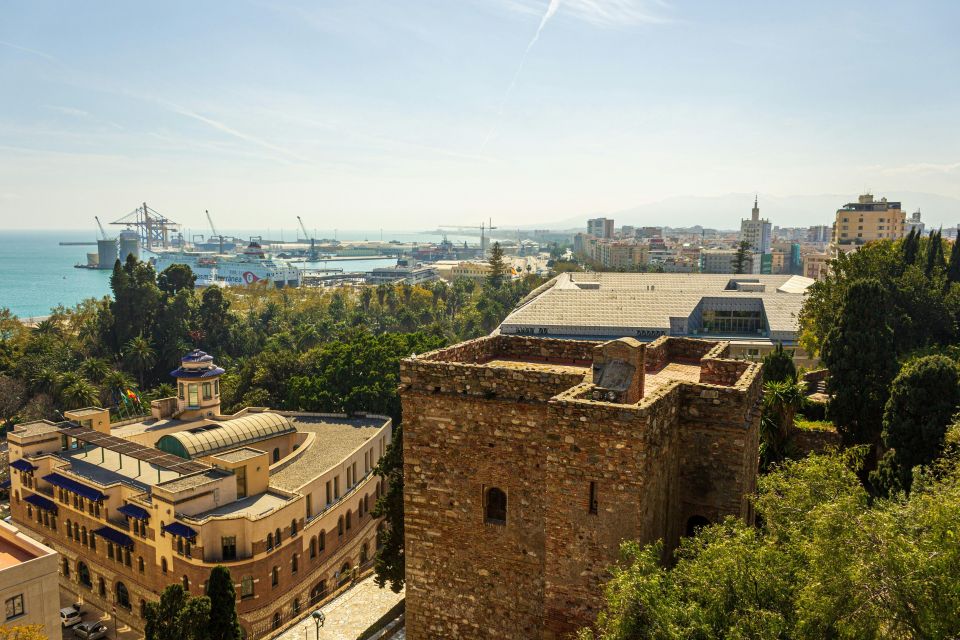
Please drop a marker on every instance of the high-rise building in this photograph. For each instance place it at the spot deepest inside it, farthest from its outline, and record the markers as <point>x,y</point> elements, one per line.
<point>756,231</point>
<point>867,219</point>
<point>600,227</point>
<point>819,234</point>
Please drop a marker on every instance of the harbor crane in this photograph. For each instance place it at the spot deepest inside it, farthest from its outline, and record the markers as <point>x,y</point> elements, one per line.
<point>216,235</point>
<point>483,228</point>
<point>153,228</point>
<point>103,233</point>
<point>307,236</point>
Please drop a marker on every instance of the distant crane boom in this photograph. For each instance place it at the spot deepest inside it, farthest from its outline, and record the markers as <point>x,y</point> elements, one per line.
<point>103,234</point>
<point>306,236</point>
<point>210,220</point>
<point>483,228</point>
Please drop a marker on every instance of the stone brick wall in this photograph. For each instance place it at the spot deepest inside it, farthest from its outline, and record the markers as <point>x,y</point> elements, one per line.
<point>689,449</point>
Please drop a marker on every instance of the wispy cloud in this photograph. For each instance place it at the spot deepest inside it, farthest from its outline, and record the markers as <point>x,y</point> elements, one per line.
<point>603,13</point>
<point>35,52</point>
<point>286,155</point>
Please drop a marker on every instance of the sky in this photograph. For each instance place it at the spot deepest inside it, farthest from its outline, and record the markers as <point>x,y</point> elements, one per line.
<point>365,114</point>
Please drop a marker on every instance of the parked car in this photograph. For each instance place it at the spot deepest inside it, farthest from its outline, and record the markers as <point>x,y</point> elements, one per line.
<point>70,616</point>
<point>90,630</point>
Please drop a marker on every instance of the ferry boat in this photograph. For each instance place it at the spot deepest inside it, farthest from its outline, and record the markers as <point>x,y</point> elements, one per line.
<point>252,265</point>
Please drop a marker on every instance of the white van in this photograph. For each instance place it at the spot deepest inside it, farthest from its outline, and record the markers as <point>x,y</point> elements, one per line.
<point>69,616</point>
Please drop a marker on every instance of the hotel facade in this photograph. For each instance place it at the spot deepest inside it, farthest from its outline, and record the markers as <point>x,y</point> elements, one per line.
<point>282,499</point>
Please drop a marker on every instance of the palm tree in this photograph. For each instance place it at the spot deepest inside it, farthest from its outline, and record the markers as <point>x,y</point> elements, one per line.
<point>114,383</point>
<point>781,402</point>
<point>79,393</point>
<point>95,369</point>
<point>140,354</point>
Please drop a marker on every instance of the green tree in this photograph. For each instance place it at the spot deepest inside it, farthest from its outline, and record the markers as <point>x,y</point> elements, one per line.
<point>78,393</point>
<point>223,605</point>
<point>390,565</point>
<point>923,398</point>
<point>178,616</point>
<point>859,352</point>
<point>934,252</point>
<point>910,247</point>
<point>953,266</point>
<point>778,365</point>
<point>136,301</point>
<point>498,268</point>
<point>175,278</point>
<point>741,257</point>
<point>139,354</point>
<point>13,394</point>
<point>781,402</point>
<point>215,321</point>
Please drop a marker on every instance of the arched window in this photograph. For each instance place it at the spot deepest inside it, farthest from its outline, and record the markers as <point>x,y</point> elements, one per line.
<point>276,536</point>
<point>695,523</point>
<point>140,565</point>
<point>186,583</point>
<point>163,565</point>
<point>76,532</point>
<point>180,545</point>
<point>69,529</point>
<point>294,563</point>
<point>360,510</point>
<point>496,506</point>
<point>83,574</point>
<point>123,596</point>
<point>276,620</point>
<point>293,527</point>
<point>66,568</point>
<point>364,551</point>
<point>318,592</point>
<point>313,547</point>
<point>275,576</point>
<point>343,576</point>
<point>348,519</point>
<point>276,454</point>
<point>340,526</point>
<point>296,606</point>
<point>102,587</point>
<point>322,540</point>
<point>366,503</point>
<point>93,542</point>
<point>269,541</point>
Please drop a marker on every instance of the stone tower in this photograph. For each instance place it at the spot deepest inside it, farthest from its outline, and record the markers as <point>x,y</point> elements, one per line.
<point>198,386</point>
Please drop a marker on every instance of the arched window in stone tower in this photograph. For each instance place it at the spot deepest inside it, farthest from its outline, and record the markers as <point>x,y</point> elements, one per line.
<point>496,506</point>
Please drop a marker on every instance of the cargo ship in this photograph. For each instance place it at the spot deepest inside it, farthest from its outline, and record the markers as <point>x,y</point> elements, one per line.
<point>250,266</point>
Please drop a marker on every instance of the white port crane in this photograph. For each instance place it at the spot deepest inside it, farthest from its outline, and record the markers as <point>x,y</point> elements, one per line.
<point>482,227</point>
<point>103,233</point>
<point>307,236</point>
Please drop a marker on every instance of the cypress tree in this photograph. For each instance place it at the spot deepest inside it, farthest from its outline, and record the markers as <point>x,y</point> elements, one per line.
<point>860,353</point>
<point>953,268</point>
<point>909,246</point>
<point>740,258</point>
<point>778,366</point>
<point>497,266</point>
<point>223,605</point>
<point>934,253</point>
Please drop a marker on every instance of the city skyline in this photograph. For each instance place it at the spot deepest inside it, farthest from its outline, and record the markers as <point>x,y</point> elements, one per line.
<point>370,115</point>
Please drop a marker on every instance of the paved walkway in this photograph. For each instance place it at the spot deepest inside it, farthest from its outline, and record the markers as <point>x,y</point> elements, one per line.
<point>91,613</point>
<point>349,615</point>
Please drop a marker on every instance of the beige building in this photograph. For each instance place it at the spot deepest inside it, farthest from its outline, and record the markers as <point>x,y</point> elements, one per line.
<point>282,499</point>
<point>816,265</point>
<point>28,582</point>
<point>867,219</point>
<point>470,270</point>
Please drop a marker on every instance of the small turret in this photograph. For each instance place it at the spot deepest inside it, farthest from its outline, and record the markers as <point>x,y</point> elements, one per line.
<point>198,386</point>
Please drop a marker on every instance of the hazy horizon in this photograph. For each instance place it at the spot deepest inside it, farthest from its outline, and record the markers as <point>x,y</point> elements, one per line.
<point>373,114</point>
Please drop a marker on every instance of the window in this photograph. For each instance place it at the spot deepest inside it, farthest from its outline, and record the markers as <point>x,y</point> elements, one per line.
<point>275,576</point>
<point>322,540</point>
<point>180,392</point>
<point>366,502</point>
<point>163,565</point>
<point>276,537</point>
<point>340,526</point>
<point>126,557</point>
<point>276,620</point>
<point>216,387</point>
<point>336,488</point>
<point>293,528</point>
<point>309,505</point>
<point>269,541</point>
<point>123,596</point>
<point>593,498</point>
<point>496,506</point>
<point>348,519</point>
<point>276,454</point>
<point>313,548</point>
<point>193,395</point>
<point>186,583</point>
<point>294,563</point>
<point>241,473</point>
<point>228,545</point>
<point>329,495</point>
<point>360,510</point>
<point>102,587</point>
<point>349,477</point>
<point>14,606</point>
<point>246,587</point>
<point>296,606</point>
<point>69,530</point>
<point>66,568</point>
<point>110,550</point>
<point>93,541</point>
<point>364,552</point>
<point>207,391</point>
<point>83,574</point>
<point>353,467</point>
<point>140,565</point>
<point>318,592</point>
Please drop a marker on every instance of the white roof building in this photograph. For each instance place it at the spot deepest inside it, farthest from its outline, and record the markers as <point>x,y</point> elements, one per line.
<point>756,310</point>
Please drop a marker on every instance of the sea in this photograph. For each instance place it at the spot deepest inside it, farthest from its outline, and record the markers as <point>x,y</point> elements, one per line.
<point>37,274</point>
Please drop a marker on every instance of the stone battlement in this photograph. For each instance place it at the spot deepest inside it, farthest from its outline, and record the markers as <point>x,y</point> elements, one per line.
<point>528,461</point>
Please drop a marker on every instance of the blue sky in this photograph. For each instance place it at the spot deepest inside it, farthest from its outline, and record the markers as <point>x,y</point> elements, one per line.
<point>365,114</point>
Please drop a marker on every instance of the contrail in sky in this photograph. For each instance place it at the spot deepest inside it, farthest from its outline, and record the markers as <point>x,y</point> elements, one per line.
<point>551,9</point>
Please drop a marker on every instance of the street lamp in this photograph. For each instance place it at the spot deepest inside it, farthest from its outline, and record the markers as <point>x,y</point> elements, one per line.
<point>318,620</point>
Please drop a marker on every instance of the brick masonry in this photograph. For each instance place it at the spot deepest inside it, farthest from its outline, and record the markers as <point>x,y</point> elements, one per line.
<point>686,450</point>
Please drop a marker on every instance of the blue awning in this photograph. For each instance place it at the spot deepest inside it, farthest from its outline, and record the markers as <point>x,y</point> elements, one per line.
<point>182,530</point>
<point>133,511</point>
<point>114,536</point>
<point>41,503</point>
<point>22,465</point>
<point>73,486</point>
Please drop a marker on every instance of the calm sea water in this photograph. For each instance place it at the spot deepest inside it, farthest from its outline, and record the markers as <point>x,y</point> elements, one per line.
<point>37,274</point>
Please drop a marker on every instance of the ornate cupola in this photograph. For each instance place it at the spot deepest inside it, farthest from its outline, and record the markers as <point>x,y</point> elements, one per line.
<point>198,386</point>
